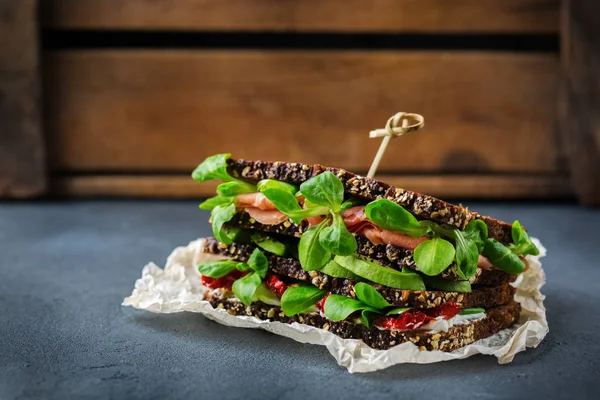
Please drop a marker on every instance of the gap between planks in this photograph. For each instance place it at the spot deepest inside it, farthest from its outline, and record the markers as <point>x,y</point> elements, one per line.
<point>433,16</point>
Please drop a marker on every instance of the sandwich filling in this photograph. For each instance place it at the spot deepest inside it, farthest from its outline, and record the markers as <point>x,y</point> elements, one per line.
<point>345,257</point>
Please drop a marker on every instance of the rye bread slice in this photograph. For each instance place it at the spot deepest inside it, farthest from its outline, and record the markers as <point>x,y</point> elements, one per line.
<point>496,319</point>
<point>483,296</point>
<point>390,255</point>
<point>420,205</point>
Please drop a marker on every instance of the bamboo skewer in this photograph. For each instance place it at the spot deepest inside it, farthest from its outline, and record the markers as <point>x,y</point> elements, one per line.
<point>392,131</point>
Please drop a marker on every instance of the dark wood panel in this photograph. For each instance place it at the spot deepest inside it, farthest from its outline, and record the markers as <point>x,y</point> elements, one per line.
<point>22,153</point>
<point>166,111</point>
<point>580,99</point>
<point>452,186</point>
<point>539,16</point>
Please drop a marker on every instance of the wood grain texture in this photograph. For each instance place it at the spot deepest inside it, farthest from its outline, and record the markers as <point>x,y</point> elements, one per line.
<point>22,153</point>
<point>580,100</point>
<point>167,111</point>
<point>439,16</point>
<point>451,186</point>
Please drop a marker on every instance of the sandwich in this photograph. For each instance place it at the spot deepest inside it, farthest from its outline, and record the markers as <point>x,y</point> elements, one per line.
<point>321,246</point>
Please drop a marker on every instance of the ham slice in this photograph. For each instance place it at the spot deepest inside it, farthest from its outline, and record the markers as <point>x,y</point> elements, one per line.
<point>266,217</point>
<point>264,211</point>
<point>260,208</point>
<point>381,236</point>
<point>484,263</point>
<point>356,221</point>
<point>312,221</point>
<point>354,216</point>
<point>254,200</point>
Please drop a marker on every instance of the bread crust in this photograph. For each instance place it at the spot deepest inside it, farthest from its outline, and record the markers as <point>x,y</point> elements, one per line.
<point>496,319</point>
<point>483,296</point>
<point>421,205</point>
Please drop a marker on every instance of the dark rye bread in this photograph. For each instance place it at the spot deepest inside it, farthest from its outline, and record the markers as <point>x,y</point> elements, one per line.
<point>390,255</point>
<point>496,319</point>
<point>483,296</point>
<point>398,258</point>
<point>420,205</point>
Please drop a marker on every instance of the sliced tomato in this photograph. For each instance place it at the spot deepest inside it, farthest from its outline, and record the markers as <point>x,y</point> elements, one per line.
<point>276,285</point>
<point>411,319</point>
<point>224,282</point>
<point>321,303</point>
<point>447,311</point>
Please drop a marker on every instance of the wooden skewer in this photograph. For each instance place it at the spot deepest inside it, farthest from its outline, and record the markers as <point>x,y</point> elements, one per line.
<point>392,130</point>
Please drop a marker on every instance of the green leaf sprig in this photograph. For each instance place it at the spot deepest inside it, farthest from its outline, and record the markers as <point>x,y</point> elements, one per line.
<point>434,256</point>
<point>297,299</point>
<point>246,287</point>
<point>368,301</point>
<point>508,258</point>
<point>222,205</point>
<point>213,167</point>
<point>324,196</point>
<point>269,244</point>
<point>393,217</point>
<point>284,197</point>
<point>522,244</point>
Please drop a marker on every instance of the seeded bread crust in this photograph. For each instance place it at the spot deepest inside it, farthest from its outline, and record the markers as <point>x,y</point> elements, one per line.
<point>496,319</point>
<point>392,256</point>
<point>484,296</point>
<point>420,205</point>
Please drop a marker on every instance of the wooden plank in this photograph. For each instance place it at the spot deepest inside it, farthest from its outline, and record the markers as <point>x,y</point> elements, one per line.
<point>451,186</point>
<point>167,111</point>
<point>581,97</point>
<point>439,16</point>
<point>22,157</point>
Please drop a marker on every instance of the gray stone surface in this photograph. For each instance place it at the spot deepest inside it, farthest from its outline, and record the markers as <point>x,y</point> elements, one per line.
<point>65,268</point>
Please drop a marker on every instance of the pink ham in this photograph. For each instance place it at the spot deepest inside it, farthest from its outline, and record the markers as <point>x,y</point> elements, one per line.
<point>356,221</point>
<point>254,200</point>
<point>355,215</point>
<point>266,217</point>
<point>484,263</point>
<point>381,236</point>
<point>312,221</point>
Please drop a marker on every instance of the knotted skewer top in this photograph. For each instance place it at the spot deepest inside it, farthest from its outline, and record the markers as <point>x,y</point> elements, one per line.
<point>397,125</point>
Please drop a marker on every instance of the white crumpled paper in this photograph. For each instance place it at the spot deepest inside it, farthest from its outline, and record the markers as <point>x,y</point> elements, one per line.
<point>177,288</point>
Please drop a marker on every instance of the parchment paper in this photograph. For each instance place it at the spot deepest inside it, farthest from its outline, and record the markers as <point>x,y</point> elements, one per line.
<point>177,288</point>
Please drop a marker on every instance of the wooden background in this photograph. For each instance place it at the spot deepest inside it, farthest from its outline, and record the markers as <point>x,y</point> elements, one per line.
<point>22,152</point>
<point>137,93</point>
